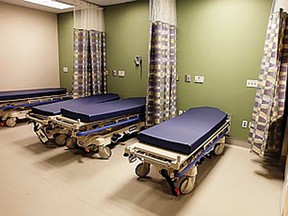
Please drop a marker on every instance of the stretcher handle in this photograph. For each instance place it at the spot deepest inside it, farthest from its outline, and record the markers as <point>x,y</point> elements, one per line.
<point>175,191</point>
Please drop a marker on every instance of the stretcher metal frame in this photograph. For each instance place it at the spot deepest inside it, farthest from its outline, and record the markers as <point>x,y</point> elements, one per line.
<point>12,110</point>
<point>93,137</point>
<point>180,170</point>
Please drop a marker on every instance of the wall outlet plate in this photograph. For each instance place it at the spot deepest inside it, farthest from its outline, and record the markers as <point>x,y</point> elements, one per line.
<point>177,77</point>
<point>251,83</point>
<point>244,124</point>
<point>65,69</point>
<point>199,79</point>
<point>121,73</point>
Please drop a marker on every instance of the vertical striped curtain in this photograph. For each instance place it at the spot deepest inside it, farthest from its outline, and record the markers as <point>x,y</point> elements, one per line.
<point>80,85</point>
<point>89,52</point>
<point>268,121</point>
<point>161,90</point>
<point>98,61</point>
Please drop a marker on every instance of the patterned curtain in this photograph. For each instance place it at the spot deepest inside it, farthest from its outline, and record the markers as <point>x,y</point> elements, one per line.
<point>89,51</point>
<point>161,95</point>
<point>98,61</point>
<point>268,121</point>
<point>81,75</point>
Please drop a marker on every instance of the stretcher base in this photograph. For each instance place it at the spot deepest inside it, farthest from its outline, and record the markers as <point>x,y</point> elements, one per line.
<point>13,110</point>
<point>180,170</point>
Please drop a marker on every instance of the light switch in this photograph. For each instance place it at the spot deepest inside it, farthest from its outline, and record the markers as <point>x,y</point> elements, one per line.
<point>187,78</point>
<point>114,73</point>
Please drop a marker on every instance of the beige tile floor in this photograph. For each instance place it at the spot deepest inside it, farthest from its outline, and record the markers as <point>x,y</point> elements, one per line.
<point>36,180</point>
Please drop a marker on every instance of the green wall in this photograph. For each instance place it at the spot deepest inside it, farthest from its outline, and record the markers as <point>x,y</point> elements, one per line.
<point>221,40</point>
<point>127,28</point>
<point>65,37</point>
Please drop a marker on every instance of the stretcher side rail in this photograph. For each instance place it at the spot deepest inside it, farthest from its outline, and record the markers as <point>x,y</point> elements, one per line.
<point>175,160</point>
<point>77,124</point>
<point>15,102</point>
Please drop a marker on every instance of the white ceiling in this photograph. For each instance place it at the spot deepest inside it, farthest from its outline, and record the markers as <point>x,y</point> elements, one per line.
<point>73,2</point>
<point>108,2</point>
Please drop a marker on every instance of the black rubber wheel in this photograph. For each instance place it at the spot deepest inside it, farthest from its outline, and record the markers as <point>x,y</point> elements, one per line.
<point>11,122</point>
<point>218,149</point>
<point>142,169</point>
<point>105,152</point>
<point>186,184</point>
<point>60,139</point>
<point>71,143</point>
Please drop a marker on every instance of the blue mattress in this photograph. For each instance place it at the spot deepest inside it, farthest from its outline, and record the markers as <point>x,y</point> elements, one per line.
<point>54,109</point>
<point>90,113</point>
<point>185,132</point>
<point>22,94</point>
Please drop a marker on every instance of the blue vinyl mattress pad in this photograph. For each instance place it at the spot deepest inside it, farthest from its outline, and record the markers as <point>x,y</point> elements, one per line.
<point>186,132</point>
<point>55,108</point>
<point>96,112</point>
<point>22,94</point>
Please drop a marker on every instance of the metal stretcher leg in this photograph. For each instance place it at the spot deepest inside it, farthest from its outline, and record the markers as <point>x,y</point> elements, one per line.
<point>175,191</point>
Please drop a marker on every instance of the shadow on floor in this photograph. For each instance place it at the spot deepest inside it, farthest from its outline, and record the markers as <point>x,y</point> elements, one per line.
<point>273,168</point>
<point>155,195</point>
<point>38,148</point>
<point>66,157</point>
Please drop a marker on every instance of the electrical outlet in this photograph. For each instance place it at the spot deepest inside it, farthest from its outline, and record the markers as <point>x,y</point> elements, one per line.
<point>187,78</point>
<point>251,83</point>
<point>177,77</point>
<point>121,73</point>
<point>114,73</point>
<point>65,69</point>
<point>244,124</point>
<point>199,79</point>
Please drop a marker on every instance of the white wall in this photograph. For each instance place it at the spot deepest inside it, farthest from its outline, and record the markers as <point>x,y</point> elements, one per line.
<point>28,48</point>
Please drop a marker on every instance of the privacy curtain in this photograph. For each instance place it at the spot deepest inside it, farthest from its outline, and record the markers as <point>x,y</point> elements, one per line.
<point>268,117</point>
<point>161,91</point>
<point>89,51</point>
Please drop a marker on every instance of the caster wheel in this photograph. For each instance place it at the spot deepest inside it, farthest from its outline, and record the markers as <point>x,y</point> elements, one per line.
<point>218,149</point>
<point>11,122</point>
<point>142,170</point>
<point>186,184</point>
<point>71,143</point>
<point>105,152</point>
<point>60,140</point>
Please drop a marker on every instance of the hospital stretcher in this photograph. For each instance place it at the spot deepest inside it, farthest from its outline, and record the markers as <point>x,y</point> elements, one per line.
<point>43,116</point>
<point>95,128</point>
<point>16,104</point>
<point>176,147</point>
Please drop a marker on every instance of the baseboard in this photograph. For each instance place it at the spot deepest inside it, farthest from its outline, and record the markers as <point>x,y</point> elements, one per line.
<point>237,142</point>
